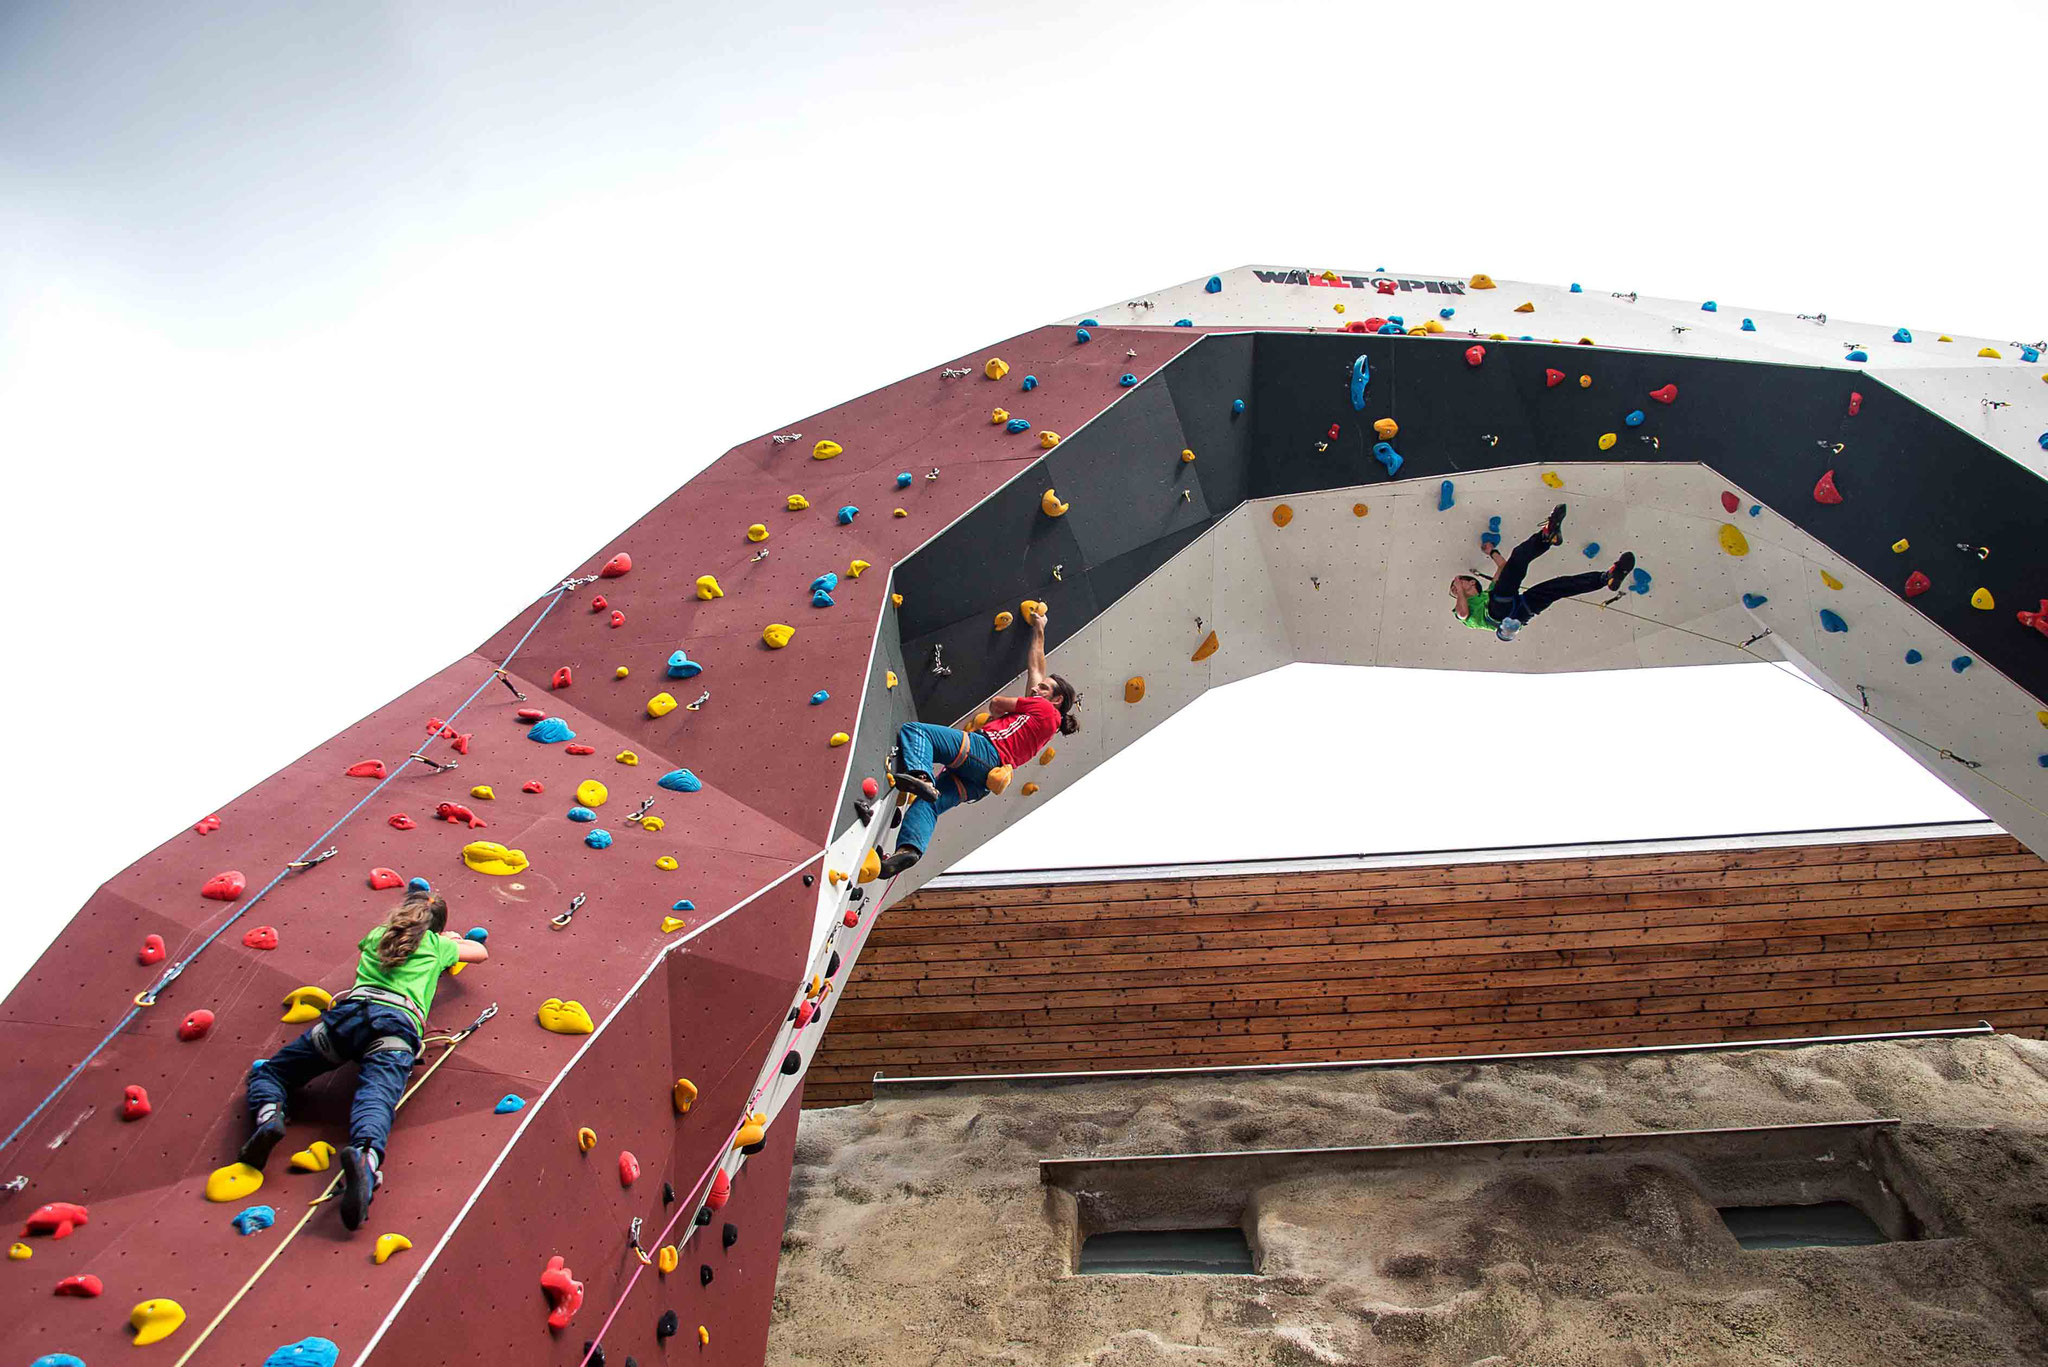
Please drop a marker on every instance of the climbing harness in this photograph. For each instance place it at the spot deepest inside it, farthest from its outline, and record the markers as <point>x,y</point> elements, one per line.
<point>562,922</point>
<point>334,1184</point>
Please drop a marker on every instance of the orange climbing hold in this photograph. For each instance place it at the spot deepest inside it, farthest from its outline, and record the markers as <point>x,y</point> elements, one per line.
<point>1282,515</point>
<point>684,1094</point>
<point>1206,649</point>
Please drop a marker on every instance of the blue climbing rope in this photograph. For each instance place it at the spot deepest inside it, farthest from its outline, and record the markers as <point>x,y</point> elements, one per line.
<point>147,997</point>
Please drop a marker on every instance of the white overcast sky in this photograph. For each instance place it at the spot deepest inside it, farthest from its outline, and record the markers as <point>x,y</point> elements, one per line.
<point>331,335</point>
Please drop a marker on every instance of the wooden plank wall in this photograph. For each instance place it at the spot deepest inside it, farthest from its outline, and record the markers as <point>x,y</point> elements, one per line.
<point>1447,959</point>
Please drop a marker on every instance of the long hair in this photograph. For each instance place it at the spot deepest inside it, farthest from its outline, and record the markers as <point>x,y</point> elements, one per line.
<point>408,924</point>
<point>1066,700</point>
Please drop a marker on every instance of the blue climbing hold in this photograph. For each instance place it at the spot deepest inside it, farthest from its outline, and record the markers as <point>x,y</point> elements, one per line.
<point>820,696</point>
<point>1639,581</point>
<point>1756,509</point>
<point>253,1218</point>
<point>1090,323</point>
<point>509,1103</point>
<point>1397,318</point>
<point>418,885</point>
<point>1236,406</point>
<point>1215,285</point>
<point>1030,383</point>
<point>679,781</point>
<point>1446,313</point>
<point>1960,663</point>
<point>1857,355</point>
<point>1127,379</point>
<point>1748,325</point>
<point>1183,322</point>
<point>2041,760</point>
<point>1710,307</point>
<point>1446,497</point>
<point>1902,336</point>
<point>58,1360</point>
<point>681,666</point>
<point>1753,601</point>
<point>903,479</point>
<point>827,581</point>
<point>1592,549</point>
<point>1017,425</point>
<point>1829,621</point>
<point>1491,536</point>
<point>1914,657</point>
<point>548,730</point>
<point>1387,456</point>
<point>1080,334</point>
<point>1361,376</point>
<point>846,515</point>
<point>820,598</point>
<point>309,1352</point>
<point>2030,354</point>
<point>599,839</point>
<point>476,933</point>
<point>582,814</point>
<point>1634,419</point>
<point>1576,289</point>
<point>1390,329</point>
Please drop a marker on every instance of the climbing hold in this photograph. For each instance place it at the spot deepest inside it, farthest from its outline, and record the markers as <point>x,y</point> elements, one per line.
<point>1607,440</point>
<point>1359,510</point>
<point>1855,403</point>
<point>1729,502</point>
<point>598,604</point>
<point>1585,381</point>
<point>247,1221</point>
<point>1474,355</point>
<point>134,1102</point>
<point>1830,621</point>
<point>1003,620</point>
<point>1215,285</point>
<point>1917,584</point>
<point>1029,789</point>
<point>1989,353</point>
<point>1206,649</point>
<point>1824,491</point>
<point>599,839</point>
<point>581,814</point>
<point>684,1095</point>
<point>388,1244</point>
<point>855,569</point>
<point>1446,497</point>
<point>825,450</point>
<point>383,880</point>
<point>996,368</point>
<point>839,738</point>
<point>847,514</point>
<point>1480,282</point>
<point>621,672</point>
<point>680,781</point>
<point>487,856</point>
<point>776,635</point>
<point>1982,600</point>
<point>1902,336</point>
<point>1187,457</point>
<point>1552,378</point>
<point>56,1219</point>
<point>586,1139</point>
<point>418,885</point>
<point>707,587</point>
<point>225,886</point>
<point>618,619</point>
<point>820,598</point>
<point>1386,429</point>
<point>1748,325</point>
<point>1134,689</point>
<point>720,1190</point>
<point>317,1157</point>
<point>591,793</point>
<point>533,785</point>
<point>154,1321</point>
<point>232,1182</point>
<point>1857,355</point>
<point>629,1166</point>
<point>509,1103</point>
<point>1960,663</point>
<point>1236,406</point>
<point>565,1018</point>
<point>20,1252</point>
<point>1387,456</point>
<point>757,532</point>
<point>1753,601</point>
<point>1525,307</point>
<point>368,768</point>
<point>616,566</point>
<point>1080,334</point>
<point>564,1292</point>
<point>1127,379</point>
<point>86,1286</point>
<point>550,730</point>
<point>1666,394</point>
<point>1634,419</point>
<point>1361,376</point>
<point>1029,383</point>
<point>305,1004</point>
<point>2037,620</point>
<point>207,825</point>
<point>796,503</point>
<point>704,1270</point>
<point>819,697</point>
<point>1553,480</point>
<point>681,666</point>
<point>1048,440</point>
<point>483,793</point>
<point>627,758</point>
<point>666,1261</point>
<point>195,1025</point>
<point>703,1336</point>
<point>456,813</point>
<point>1049,503</point>
<point>1830,580</point>
<point>1282,514</point>
<point>307,1352</point>
<point>1590,549</point>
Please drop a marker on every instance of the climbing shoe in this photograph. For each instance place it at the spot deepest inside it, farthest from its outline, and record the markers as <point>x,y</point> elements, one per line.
<point>1553,526</point>
<point>1619,570</point>
<point>919,782</point>
<point>358,1185</point>
<point>256,1148</point>
<point>902,859</point>
<point>864,808</point>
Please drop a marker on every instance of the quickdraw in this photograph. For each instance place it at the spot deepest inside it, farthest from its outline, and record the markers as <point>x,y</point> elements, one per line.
<point>562,922</point>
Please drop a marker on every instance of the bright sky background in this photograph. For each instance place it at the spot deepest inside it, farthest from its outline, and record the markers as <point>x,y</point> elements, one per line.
<point>332,335</point>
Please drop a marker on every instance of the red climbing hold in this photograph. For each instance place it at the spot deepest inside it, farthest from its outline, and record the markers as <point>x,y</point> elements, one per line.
<point>1383,286</point>
<point>574,748</point>
<point>1855,403</point>
<point>1668,394</point>
<point>260,937</point>
<point>1917,584</point>
<point>527,716</point>
<point>869,789</point>
<point>804,1014</point>
<point>208,825</point>
<point>618,619</point>
<point>1552,378</point>
<point>57,1219</point>
<point>533,785</point>
<point>564,1293</point>
<point>383,880</point>
<point>562,678</point>
<point>438,728</point>
<point>616,566</point>
<point>721,1191</point>
<point>195,1025</point>
<point>225,886</point>
<point>401,822</point>
<point>369,768</point>
<point>1358,325</point>
<point>152,951</point>
<point>1333,431</point>
<point>1729,502</point>
<point>455,811</point>
<point>82,1284</point>
<point>134,1103</point>
<point>1375,323</point>
<point>1825,491</point>
<point>1474,355</point>
<point>852,917</point>
<point>598,604</point>
<point>629,1169</point>
<point>459,742</point>
<point>2037,619</point>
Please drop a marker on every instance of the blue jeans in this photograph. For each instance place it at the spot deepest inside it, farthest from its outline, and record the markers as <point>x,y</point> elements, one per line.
<point>1509,599</point>
<point>355,1031</point>
<point>920,742</point>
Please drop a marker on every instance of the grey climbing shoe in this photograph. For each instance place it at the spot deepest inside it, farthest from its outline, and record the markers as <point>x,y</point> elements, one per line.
<point>256,1148</point>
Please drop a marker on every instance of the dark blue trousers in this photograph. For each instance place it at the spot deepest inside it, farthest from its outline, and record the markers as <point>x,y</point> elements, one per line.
<point>365,1033</point>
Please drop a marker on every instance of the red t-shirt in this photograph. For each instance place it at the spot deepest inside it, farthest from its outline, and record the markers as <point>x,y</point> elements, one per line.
<point>1021,734</point>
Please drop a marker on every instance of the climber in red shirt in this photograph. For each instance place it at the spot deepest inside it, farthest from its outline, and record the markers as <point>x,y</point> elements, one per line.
<point>976,763</point>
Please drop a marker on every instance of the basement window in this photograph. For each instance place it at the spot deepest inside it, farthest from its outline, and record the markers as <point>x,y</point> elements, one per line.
<point>1830,1224</point>
<point>1169,1252</point>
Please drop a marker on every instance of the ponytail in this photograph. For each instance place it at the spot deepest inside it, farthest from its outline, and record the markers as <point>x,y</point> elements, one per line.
<point>409,923</point>
<point>1066,699</point>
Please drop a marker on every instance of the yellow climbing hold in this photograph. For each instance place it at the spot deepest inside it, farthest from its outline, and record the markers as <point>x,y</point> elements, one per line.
<point>671,924</point>
<point>1553,479</point>
<point>998,416</point>
<point>1830,580</point>
<point>834,877</point>
<point>1433,326</point>
<point>667,863</point>
<point>1003,620</point>
<point>1496,336</point>
<point>1330,276</point>
<point>1607,440</point>
<point>627,758</point>
<point>898,512</point>
<point>591,793</point>
<point>1338,307</point>
<point>703,1336</point>
<point>1045,755</point>
<point>1982,599</point>
<point>20,1252</point>
<point>1205,649</point>
<point>998,778</point>
<point>1359,510</point>
<point>668,1259</point>
<point>1988,352</point>
<point>621,672</point>
<point>980,720</point>
<point>1585,381</point>
<point>232,1182</point>
<point>482,792</point>
<point>888,678</point>
<point>1732,540</point>
<point>839,738</point>
<point>751,1132</point>
<point>1052,507</point>
<point>154,1321</point>
<point>586,1139</point>
<point>1187,457</point>
<point>996,368</point>
<point>661,704</point>
<point>651,823</point>
<point>1282,515</point>
<point>897,599</point>
<point>684,1094</point>
<point>305,1004</point>
<point>565,1018</point>
<point>1028,789</point>
<point>757,532</point>
<point>870,867</point>
<point>1048,440</point>
<point>1525,307</point>
<point>1480,282</point>
<point>825,450</point>
<point>1134,689</point>
<point>1901,546</point>
<point>316,1157</point>
<point>1030,608</point>
<point>707,589</point>
<point>388,1244</point>
<point>1944,338</point>
<point>796,503</point>
<point>857,568</point>
<point>488,856</point>
<point>776,635</point>
<point>1386,429</point>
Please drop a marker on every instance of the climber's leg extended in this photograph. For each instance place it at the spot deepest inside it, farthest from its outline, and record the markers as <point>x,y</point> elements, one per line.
<point>922,748</point>
<point>1541,596</point>
<point>1507,585</point>
<point>387,1058</point>
<point>272,1080</point>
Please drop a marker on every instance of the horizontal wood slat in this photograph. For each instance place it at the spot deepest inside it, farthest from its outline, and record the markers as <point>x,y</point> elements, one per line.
<point>1530,954</point>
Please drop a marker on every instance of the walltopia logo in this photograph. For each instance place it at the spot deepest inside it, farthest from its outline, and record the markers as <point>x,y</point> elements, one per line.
<point>1384,284</point>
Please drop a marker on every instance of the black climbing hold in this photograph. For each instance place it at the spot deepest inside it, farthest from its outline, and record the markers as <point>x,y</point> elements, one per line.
<point>793,1063</point>
<point>792,1014</point>
<point>631,1361</point>
<point>668,1193</point>
<point>755,1148</point>
<point>731,1235</point>
<point>703,1215</point>
<point>593,1353</point>
<point>704,1274</point>
<point>667,1326</point>
<point>832,966</point>
<point>808,880</point>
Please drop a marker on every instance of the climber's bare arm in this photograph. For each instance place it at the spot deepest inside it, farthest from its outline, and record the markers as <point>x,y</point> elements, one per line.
<point>998,707</point>
<point>469,951</point>
<point>1498,562</point>
<point>1036,673</point>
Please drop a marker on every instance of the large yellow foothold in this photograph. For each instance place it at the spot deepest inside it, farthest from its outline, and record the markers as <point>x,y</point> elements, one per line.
<point>1901,546</point>
<point>1134,689</point>
<point>1386,429</point>
<point>1205,649</point>
<point>668,1259</point>
<point>998,416</point>
<point>1732,540</point>
<point>232,1182</point>
<point>996,368</point>
<point>776,635</point>
<point>757,532</point>
<point>565,1018</point>
<point>20,1253</point>
<point>825,450</point>
<point>1982,599</point>
<point>1282,515</point>
<point>1360,509</point>
<point>305,1004</point>
<point>684,1094</point>
<point>1607,440</point>
<point>857,568</point>
<point>388,1244</point>
<point>1830,580</point>
<point>839,738</point>
<point>482,793</point>
<point>661,704</point>
<point>1480,282</point>
<point>316,1157</point>
<point>671,924</point>
<point>1003,620</point>
<point>1048,440</point>
<point>488,856</point>
<point>586,1139</point>
<point>871,867</point>
<point>1433,326</point>
<point>652,823</point>
<point>667,863</point>
<point>1051,506</point>
<point>1028,789</point>
<point>998,778</point>
<point>796,503</point>
<point>1552,479</point>
<point>751,1132</point>
<point>591,793</point>
<point>888,678</point>
<point>707,587</point>
<point>1525,307</point>
<point>627,758</point>
<point>1988,352</point>
<point>154,1321</point>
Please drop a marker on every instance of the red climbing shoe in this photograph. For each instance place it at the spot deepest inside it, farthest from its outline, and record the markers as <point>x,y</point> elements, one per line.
<point>358,1185</point>
<point>1619,570</point>
<point>905,856</point>
<point>256,1148</point>
<point>1553,526</point>
<point>919,782</point>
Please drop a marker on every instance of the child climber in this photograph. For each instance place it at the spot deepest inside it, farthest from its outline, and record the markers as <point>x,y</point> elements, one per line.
<point>1508,607</point>
<point>378,1024</point>
<point>938,767</point>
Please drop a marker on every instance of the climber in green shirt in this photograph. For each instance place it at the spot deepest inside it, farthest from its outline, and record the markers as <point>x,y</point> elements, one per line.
<point>1507,607</point>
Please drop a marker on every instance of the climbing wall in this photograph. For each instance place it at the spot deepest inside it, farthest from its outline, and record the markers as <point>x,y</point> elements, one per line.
<point>635,794</point>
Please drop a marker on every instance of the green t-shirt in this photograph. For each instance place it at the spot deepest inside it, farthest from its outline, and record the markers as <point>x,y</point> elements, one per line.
<point>1476,615</point>
<point>417,976</point>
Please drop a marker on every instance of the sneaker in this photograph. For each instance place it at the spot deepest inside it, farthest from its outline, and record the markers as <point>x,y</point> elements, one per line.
<point>1619,570</point>
<point>902,859</point>
<point>358,1185</point>
<point>256,1148</point>
<point>919,782</point>
<point>1553,526</point>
